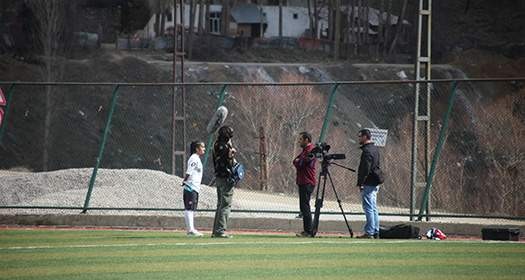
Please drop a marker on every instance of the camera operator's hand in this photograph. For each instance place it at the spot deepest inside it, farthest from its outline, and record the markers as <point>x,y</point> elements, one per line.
<point>232,152</point>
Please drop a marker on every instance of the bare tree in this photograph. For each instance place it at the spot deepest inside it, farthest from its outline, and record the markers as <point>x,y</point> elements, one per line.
<point>201,17</point>
<point>330,7</point>
<point>353,38</point>
<point>397,166</point>
<point>261,21</point>
<point>311,19</point>
<point>280,23</point>
<point>346,30</point>
<point>387,28</point>
<point>157,18</point>
<point>316,19</point>
<point>283,114</point>
<point>159,8</point>
<point>162,25</point>
<point>207,17</point>
<point>380,38</point>
<point>359,26</point>
<point>337,31</point>
<point>191,29</point>
<point>225,17</point>
<point>366,22</point>
<point>399,27</point>
<point>49,36</point>
<point>501,131</point>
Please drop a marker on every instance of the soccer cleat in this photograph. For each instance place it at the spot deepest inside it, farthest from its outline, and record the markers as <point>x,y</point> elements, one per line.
<point>194,234</point>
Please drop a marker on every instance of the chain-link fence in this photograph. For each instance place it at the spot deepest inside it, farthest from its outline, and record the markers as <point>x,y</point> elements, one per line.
<point>109,147</point>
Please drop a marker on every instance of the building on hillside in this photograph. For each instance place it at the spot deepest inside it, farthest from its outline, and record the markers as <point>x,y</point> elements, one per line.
<point>250,19</point>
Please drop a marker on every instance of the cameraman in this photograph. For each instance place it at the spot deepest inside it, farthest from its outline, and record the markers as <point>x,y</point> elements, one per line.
<point>306,181</point>
<point>369,177</point>
<point>223,160</point>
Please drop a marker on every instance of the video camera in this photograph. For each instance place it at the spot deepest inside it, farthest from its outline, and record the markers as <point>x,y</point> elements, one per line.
<point>320,151</point>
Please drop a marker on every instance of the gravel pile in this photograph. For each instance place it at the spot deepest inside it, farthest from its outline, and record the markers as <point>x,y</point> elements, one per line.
<point>125,188</point>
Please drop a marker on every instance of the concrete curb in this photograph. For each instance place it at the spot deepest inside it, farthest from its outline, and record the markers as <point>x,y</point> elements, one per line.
<point>237,223</point>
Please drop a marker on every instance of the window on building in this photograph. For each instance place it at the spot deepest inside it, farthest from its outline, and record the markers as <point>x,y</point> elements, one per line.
<point>215,23</point>
<point>295,16</point>
<point>169,16</point>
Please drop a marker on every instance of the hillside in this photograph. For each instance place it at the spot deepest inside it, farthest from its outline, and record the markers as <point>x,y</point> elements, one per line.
<point>141,128</point>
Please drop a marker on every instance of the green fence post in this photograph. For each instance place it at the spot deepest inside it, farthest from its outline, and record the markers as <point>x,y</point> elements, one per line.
<point>222,95</point>
<point>3,127</point>
<point>328,115</point>
<point>101,149</point>
<point>437,152</point>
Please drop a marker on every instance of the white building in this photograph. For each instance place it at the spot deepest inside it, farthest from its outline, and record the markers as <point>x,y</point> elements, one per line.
<point>215,13</point>
<point>295,20</point>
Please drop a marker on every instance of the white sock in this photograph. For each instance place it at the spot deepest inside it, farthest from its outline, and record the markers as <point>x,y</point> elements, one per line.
<point>188,217</point>
<point>187,220</point>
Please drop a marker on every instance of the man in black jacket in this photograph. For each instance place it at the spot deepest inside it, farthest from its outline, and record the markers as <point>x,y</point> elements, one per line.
<point>369,177</point>
<point>223,161</point>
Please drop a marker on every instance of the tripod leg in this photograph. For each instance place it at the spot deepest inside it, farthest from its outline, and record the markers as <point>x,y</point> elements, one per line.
<point>318,204</point>
<point>340,206</point>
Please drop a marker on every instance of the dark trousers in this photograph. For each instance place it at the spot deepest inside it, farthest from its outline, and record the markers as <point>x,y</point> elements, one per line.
<point>305,192</point>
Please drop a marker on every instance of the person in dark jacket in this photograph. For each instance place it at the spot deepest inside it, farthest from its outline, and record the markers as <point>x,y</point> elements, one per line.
<point>306,181</point>
<point>223,161</point>
<point>369,177</point>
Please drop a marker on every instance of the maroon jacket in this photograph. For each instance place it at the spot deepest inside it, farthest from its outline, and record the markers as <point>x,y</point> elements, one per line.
<point>305,167</point>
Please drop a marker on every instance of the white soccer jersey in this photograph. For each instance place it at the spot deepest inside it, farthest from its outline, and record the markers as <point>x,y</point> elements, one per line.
<point>195,173</point>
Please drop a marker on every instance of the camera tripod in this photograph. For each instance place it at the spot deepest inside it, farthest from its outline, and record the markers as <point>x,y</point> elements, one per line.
<point>319,197</point>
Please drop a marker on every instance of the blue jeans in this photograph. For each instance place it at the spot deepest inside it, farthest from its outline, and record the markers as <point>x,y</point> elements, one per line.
<point>369,197</point>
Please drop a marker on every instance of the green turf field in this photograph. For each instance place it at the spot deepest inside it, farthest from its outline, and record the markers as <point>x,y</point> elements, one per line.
<point>113,254</point>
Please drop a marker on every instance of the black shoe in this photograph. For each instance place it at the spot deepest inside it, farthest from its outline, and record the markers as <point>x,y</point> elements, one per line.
<point>303,234</point>
<point>376,236</point>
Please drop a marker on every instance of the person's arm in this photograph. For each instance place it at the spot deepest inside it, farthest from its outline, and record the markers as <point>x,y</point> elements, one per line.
<point>231,152</point>
<point>304,159</point>
<point>189,170</point>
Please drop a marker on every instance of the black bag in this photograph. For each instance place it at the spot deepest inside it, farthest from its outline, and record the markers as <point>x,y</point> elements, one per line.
<point>401,231</point>
<point>507,234</point>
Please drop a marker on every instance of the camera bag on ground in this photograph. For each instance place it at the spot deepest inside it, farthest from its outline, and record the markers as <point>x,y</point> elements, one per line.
<point>401,231</point>
<point>506,234</point>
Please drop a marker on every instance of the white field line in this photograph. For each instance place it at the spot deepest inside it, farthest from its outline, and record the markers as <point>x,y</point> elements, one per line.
<point>240,243</point>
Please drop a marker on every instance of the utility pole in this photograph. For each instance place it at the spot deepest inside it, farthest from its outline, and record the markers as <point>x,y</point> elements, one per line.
<point>422,103</point>
<point>178,141</point>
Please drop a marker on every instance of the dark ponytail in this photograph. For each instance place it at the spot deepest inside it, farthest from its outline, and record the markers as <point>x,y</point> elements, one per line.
<point>194,145</point>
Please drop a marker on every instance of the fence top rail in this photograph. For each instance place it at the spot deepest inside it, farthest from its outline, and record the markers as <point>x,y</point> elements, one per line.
<point>374,82</point>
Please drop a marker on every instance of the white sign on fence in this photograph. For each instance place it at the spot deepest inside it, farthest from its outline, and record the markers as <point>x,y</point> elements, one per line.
<point>379,136</point>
